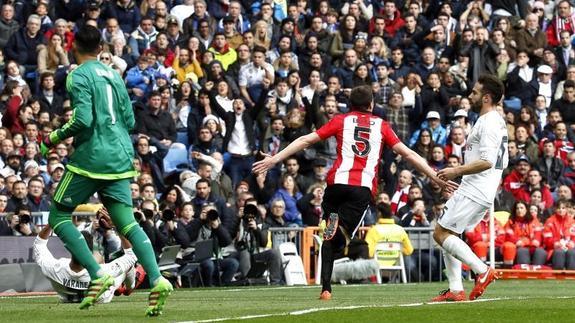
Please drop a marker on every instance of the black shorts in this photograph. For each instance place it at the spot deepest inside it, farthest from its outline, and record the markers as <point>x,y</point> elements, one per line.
<point>349,202</point>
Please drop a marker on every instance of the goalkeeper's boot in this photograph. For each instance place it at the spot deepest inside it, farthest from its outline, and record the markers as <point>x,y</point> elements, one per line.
<point>449,296</point>
<point>325,295</point>
<point>481,283</point>
<point>330,227</point>
<point>96,289</point>
<point>158,296</point>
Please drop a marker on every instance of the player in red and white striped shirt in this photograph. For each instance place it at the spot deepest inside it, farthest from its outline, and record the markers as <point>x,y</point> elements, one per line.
<point>351,181</point>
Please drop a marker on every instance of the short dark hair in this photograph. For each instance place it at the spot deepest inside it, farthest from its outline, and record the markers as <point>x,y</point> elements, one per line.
<point>361,98</point>
<point>203,180</point>
<point>88,40</point>
<point>492,86</point>
<point>569,83</point>
<point>23,207</point>
<point>259,49</point>
<point>384,211</point>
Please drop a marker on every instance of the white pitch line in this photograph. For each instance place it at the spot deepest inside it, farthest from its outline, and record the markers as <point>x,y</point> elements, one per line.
<point>351,307</point>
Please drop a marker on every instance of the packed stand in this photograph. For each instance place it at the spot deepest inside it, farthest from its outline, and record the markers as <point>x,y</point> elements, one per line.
<point>214,83</point>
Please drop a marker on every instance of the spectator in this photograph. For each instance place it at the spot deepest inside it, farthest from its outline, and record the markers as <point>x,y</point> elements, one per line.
<point>111,31</point>
<point>155,123</point>
<point>416,217</point>
<point>404,38</point>
<point>401,194</point>
<point>289,193</point>
<point>525,143</point>
<point>534,182</point>
<point>36,198</point>
<point>252,75</point>
<point>19,196</point>
<point>8,25</point>
<point>549,166</point>
<point>239,140</point>
<point>343,38</point>
<point>437,131</point>
<point>559,238</point>
<point>563,20</point>
<point>140,79</point>
<point>21,46</point>
<point>393,20</point>
<point>222,51</point>
<point>566,104</point>
<point>531,39</point>
<point>143,37</point>
<point>127,13</point>
<point>151,162</point>
<point>478,238</point>
<point>346,70</point>
<point>50,100</point>
<point>482,53</point>
<point>184,65</point>
<point>310,205</point>
<point>523,238</point>
<point>192,22</point>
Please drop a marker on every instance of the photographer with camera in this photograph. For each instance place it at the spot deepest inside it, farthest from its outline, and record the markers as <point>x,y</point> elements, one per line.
<point>19,223</point>
<point>146,216</point>
<point>173,233</point>
<point>105,240</point>
<point>208,225</point>
<point>204,195</point>
<point>251,241</point>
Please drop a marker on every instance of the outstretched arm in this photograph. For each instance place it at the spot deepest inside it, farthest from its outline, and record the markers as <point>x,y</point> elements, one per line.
<point>475,167</point>
<point>297,145</point>
<point>421,165</point>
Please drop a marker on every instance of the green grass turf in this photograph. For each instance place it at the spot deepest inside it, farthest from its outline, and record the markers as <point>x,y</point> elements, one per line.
<point>519,301</point>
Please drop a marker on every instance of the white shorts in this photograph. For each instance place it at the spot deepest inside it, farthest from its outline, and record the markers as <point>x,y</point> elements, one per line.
<point>461,212</point>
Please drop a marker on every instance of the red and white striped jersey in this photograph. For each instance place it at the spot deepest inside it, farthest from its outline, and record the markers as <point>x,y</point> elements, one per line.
<point>360,139</point>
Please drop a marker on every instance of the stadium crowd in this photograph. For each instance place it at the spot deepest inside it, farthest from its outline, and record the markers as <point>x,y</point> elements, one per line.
<point>214,82</point>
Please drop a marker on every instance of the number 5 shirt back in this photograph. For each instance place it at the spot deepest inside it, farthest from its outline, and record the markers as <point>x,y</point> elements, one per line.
<point>487,141</point>
<point>360,138</point>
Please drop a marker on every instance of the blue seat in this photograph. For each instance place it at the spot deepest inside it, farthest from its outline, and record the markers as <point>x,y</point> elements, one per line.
<point>177,158</point>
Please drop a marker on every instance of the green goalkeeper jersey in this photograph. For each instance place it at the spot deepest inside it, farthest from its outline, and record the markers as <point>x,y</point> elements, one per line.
<point>100,124</point>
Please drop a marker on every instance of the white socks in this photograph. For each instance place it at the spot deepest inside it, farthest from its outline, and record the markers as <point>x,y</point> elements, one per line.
<point>460,250</point>
<point>453,269</point>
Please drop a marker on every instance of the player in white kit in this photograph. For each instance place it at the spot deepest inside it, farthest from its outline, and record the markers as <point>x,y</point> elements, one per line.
<point>70,280</point>
<point>485,158</point>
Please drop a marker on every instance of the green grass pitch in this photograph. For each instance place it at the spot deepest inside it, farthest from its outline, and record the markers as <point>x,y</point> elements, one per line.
<point>504,301</point>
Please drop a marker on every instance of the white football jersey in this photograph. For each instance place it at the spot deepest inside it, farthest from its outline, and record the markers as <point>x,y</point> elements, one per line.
<point>487,141</point>
<point>71,285</point>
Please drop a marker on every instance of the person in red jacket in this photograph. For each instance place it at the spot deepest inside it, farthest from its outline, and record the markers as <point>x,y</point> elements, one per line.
<point>559,236</point>
<point>523,237</point>
<point>534,182</point>
<point>517,177</point>
<point>17,114</point>
<point>478,238</point>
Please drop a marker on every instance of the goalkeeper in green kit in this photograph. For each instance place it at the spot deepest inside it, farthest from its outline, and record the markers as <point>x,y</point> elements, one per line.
<point>101,162</point>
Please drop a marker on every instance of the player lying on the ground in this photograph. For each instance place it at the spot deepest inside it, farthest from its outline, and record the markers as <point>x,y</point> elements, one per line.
<point>70,280</point>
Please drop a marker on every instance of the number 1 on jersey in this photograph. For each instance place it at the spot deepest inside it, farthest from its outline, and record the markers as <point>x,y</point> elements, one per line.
<point>110,98</point>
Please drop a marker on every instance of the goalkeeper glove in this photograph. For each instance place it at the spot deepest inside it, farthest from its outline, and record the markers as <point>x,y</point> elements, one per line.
<point>45,146</point>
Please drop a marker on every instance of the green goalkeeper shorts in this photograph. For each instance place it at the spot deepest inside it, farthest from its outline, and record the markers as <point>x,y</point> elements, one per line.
<point>76,189</point>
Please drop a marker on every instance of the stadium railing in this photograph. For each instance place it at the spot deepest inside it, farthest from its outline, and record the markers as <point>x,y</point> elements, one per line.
<point>421,239</point>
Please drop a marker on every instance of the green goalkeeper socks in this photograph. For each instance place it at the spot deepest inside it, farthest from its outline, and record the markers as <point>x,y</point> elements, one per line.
<point>61,223</point>
<point>123,218</point>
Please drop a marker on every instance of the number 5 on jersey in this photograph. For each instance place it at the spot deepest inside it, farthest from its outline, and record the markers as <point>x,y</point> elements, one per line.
<point>361,147</point>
